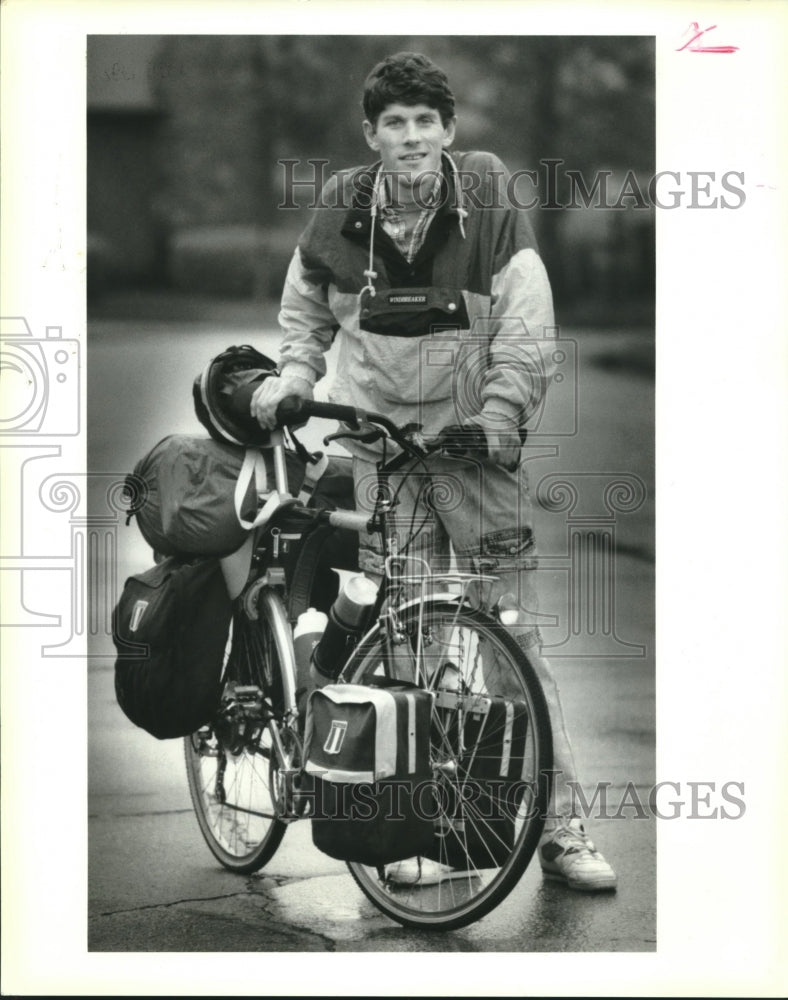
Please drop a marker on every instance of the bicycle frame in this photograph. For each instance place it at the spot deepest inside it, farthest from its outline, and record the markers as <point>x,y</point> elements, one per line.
<point>407,581</point>
<point>395,579</point>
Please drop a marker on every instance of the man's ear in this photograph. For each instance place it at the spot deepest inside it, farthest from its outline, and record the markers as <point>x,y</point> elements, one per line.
<point>370,135</point>
<point>448,130</point>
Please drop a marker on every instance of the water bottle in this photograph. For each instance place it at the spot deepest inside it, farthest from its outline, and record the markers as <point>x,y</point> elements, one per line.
<point>347,621</point>
<point>307,632</point>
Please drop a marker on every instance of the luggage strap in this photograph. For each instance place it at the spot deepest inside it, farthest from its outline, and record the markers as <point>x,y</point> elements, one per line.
<point>253,468</point>
<point>315,467</point>
<point>315,463</point>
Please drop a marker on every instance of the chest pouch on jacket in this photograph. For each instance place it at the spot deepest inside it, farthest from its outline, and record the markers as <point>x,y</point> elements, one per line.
<point>412,312</point>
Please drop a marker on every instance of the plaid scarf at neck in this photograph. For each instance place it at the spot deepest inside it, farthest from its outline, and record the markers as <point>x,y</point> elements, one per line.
<point>398,224</point>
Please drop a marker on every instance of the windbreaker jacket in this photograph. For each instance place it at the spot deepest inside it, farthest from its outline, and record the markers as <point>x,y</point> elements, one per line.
<point>467,328</point>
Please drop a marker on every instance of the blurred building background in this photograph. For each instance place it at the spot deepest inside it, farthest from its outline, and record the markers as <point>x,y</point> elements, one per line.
<point>185,135</point>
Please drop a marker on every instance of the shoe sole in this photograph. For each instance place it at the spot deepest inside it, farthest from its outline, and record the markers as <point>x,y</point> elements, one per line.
<point>605,885</point>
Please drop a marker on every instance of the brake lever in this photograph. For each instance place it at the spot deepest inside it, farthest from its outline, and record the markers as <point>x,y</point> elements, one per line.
<point>366,437</point>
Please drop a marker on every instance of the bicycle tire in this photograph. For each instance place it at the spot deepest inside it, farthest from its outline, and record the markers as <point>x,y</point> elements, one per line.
<point>244,831</point>
<point>469,895</point>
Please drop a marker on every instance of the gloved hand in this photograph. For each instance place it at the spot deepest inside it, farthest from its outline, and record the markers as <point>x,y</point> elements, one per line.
<point>490,433</point>
<point>505,437</point>
<point>462,440</point>
<point>272,391</point>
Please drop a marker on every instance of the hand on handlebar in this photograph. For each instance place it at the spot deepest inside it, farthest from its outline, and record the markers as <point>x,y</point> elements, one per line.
<point>461,440</point>
<point>272,391</point>
<point>289,401</point>
<point>494,437</point>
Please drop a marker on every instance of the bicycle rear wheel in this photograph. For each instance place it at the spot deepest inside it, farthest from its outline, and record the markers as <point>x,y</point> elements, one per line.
<point>231,764</point>
<point>489,719</point>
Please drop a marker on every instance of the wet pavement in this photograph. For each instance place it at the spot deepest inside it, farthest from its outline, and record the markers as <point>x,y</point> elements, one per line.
<point>155,886</point>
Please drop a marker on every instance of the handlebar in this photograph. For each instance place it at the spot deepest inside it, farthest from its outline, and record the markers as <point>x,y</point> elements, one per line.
<point>468,442</point>
<point>294,410</point>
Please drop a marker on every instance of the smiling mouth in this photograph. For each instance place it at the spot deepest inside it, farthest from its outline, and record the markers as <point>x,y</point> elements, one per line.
<point>413,157</point>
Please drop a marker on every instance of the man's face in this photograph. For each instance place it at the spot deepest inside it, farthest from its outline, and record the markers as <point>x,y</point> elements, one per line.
<point>410,141</point>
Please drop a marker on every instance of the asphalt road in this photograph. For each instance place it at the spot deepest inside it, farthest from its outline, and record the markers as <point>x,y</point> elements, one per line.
<point>153,885</point>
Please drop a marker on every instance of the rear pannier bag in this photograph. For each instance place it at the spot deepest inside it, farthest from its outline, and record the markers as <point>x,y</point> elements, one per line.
<point>170,629</point>
<point>476,822</point>
<point>368,750</point>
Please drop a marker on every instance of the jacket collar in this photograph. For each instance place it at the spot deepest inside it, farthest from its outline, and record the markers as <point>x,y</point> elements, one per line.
<point>358,219</point>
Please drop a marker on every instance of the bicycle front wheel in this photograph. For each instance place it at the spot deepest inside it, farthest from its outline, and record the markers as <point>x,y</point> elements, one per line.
<point>231,765</point>
<point>491,757</point>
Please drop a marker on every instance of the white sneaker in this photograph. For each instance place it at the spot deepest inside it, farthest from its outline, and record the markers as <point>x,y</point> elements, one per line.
<point>422,871</point>
<point>569,855</point>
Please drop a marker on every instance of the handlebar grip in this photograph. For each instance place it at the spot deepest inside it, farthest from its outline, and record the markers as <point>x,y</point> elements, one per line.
<point>294,410</point>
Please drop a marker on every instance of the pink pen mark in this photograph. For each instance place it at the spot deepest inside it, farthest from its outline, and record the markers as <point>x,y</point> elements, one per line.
<point>694,45</point>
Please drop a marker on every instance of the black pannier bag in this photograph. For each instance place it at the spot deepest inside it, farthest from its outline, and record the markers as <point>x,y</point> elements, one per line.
<point>476,823</point>
<point>170,629</point>
<point>368,750</point>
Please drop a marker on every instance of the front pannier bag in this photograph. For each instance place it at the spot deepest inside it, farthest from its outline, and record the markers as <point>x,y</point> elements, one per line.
<point>368,749</point>
<point>170,630</point>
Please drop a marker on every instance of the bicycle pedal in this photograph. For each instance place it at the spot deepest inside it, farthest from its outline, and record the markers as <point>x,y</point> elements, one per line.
<point>303,801</point>
<point>444,825</point>
<point>248,692</point>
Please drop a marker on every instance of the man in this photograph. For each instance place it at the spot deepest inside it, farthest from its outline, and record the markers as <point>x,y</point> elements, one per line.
<point>431,281</point>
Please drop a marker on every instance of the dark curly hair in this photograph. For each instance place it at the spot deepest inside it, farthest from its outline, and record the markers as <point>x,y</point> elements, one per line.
<point>407,78</point>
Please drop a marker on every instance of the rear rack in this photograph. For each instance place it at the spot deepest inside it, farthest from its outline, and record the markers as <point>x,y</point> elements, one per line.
<point>422,584</point>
